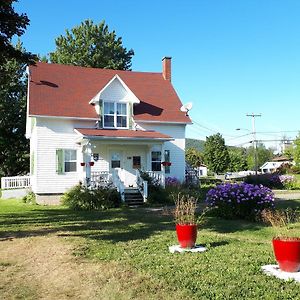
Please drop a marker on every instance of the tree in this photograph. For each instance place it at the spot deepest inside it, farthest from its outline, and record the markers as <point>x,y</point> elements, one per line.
<point>91,45</point>
<point>238,160</point>
<point>296,151</point>
<point>263,155</point>
<point>11,23</point>
<point>216,154</point>
<point>193,157</point>
<point>14,147</point>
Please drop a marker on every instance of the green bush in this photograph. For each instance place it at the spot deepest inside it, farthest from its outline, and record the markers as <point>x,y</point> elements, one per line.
<point>83,198</point>
<point>29,198</point>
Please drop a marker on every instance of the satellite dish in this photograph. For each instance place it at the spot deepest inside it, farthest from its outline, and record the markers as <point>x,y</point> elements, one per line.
<point>186,108</point>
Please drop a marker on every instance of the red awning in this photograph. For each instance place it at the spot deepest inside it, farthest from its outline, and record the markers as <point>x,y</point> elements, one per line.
<point>122,134</point>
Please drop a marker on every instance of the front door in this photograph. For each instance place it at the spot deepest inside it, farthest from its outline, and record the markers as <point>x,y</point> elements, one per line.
<point>134,160</point>
<point>128,161</point>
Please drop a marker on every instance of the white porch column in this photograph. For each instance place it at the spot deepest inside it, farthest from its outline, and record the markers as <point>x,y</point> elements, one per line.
<point>148,163</point>
<point>86,158</point>
<point>163,177</point>
<point>88,153</point>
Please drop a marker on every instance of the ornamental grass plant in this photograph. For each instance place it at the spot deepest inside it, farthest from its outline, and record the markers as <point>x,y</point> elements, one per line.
<point>282,221</point>
<point>185,209</point>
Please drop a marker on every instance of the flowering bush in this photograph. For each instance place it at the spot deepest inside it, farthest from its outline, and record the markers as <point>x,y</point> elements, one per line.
<point>287,181</point>
<point>268,180</point>
<point>240,200</point>
<point>172,181</point>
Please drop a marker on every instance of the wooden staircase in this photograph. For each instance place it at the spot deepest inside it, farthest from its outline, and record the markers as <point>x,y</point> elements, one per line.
<point>133,197</point>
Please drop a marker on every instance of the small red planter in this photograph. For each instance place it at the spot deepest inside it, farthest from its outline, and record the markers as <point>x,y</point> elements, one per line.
<point>82,164</point>
<point>166,163</point>
<point>187,235</point>
<point>287,254</point>
<point>91,163</point>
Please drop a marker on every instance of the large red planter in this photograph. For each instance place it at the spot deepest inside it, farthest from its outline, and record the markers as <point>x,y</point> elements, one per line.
<point>187,235</point>
<point>287,254</point>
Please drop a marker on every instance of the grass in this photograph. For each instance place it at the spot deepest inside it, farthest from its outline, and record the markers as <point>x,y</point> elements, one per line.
<point>130,248</point>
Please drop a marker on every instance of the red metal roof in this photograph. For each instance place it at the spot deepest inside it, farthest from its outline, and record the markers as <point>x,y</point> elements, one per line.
<point>65,91</point>
<point>123,133</point>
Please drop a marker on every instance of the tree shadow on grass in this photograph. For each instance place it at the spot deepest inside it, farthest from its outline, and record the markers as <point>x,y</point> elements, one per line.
<point>230,226</point>
<point>283,204</point>
<point>112,225</point>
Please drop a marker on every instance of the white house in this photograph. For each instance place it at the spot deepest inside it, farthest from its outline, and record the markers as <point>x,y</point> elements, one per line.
<point>272,166</point>
<point>98,125</point>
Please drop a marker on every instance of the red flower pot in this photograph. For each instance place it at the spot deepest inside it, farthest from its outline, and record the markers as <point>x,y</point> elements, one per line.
<point>166,163</point>
<point>186,235</point>
<point>91,163</point>
<point>287,253</point>
<point>82,164</point>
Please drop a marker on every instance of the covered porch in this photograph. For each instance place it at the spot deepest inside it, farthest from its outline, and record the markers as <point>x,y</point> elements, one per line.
<point>117,157</point>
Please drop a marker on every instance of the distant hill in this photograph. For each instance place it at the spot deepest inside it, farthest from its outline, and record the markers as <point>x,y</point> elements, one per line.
<point>193,143</point>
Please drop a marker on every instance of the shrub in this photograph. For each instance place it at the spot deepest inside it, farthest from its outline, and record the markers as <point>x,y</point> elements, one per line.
<point>268,180</point>
<point>172,181</point>
<point>287,181</point>
<point>240,200</point>
<point>83,198</point>
<point>29,198</point>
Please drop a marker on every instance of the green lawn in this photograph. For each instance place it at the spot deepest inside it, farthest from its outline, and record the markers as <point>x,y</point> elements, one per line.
<point>138,239</point>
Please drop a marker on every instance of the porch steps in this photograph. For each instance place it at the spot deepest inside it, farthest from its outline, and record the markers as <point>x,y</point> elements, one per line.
<point>133,197</point>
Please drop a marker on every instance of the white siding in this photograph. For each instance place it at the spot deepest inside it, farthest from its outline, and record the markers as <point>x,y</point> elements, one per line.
<point>33,156</point>
<point>55,134</point>
<point>51,134</point>
<point>115,92</point>
<point>176,147</point>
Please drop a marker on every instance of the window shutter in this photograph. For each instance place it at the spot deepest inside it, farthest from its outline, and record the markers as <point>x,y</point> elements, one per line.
<point>59,161</point>
<point>100,114</point>
<point>130,115</point>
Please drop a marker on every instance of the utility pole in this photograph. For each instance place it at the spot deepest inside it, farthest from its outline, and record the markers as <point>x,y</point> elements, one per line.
<point>254,138</point>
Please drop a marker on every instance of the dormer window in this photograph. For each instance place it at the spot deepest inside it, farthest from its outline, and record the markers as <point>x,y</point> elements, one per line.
<point>115,115</point>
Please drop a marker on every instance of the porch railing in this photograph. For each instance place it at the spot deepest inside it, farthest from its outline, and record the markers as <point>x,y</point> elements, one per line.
<point>159,177</point>
<point>101,178</point>
<point>118,183</point>
<point>16,182</point>
<point>142,185</point>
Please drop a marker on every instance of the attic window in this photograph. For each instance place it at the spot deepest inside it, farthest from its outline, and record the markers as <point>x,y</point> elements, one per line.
<point>115,115</point>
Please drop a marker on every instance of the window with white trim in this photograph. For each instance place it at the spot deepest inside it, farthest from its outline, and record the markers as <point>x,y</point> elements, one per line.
<point>115,115</point>
<point>156,160</point>
<point>70,160</point>
<point>66,161</point>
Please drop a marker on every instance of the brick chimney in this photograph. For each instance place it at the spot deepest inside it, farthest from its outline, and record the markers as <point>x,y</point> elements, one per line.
<point>166,68</point>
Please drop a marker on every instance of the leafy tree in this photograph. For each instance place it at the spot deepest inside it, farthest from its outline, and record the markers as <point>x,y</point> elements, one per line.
<point>263,155</point>
<point>216,155</point>
<point>13,144</point>
<point>296,151</point>
<point>91,45</point>
<point>194,157</point>
<point>11,23</point>
<point>238,159</point>
<point>194,143</point>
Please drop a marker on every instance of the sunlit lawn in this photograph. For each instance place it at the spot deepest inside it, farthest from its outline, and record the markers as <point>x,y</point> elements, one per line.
<point>139,239</point>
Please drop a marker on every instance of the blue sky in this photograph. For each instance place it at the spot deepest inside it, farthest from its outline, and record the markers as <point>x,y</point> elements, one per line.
<point>229,57</point>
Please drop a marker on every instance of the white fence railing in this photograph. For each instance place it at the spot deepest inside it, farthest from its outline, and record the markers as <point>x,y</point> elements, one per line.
<point>101,178</point>
<point>157,176</point>
<point>142,185</point>
<point>16,182</point>
<point>118,183</point>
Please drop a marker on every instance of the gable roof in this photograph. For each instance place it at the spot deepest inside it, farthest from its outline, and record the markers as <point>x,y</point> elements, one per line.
<point>65,91</point>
